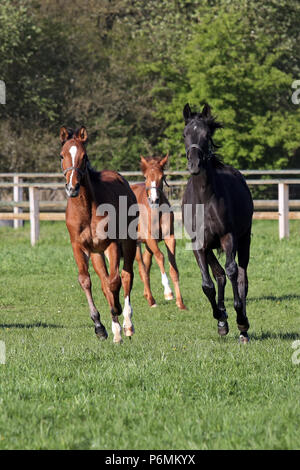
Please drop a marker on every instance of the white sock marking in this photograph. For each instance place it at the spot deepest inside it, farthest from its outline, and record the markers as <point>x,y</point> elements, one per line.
<point>117,330</point>
<point>165,283</point>
<point>127,312</point>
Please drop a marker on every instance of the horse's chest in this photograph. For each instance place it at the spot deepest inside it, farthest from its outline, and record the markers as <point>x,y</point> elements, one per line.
<point>91,238</point>
<point>213,222</point>
<point>154,224</point>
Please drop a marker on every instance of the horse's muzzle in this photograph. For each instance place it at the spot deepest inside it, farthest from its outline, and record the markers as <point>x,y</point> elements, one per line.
<point>153,204</point>
<point>194,167</point>
<point>72,191</point>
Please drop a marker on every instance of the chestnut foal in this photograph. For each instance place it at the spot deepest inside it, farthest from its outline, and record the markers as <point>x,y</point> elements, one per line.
<point>150,197</point>
<point>87,190</point>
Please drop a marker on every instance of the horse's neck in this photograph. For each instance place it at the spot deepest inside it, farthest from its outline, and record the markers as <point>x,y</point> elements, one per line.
<point>203,184</point>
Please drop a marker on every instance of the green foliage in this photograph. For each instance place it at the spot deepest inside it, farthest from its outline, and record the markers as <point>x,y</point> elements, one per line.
<point>34,62</point>
<point>239,71</point>
<point>126,68</point>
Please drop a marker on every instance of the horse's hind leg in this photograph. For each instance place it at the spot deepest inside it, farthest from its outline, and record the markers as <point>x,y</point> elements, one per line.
<point>220,277</point>
<point>171,247</point>
<point>85,281</point>
<point>232,271</point>
<point>129,252</point>
<point>144,275</point>
<point>243,260</point>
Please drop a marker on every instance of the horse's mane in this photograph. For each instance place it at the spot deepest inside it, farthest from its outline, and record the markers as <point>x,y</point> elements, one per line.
<point>92,171</point>
<point>213,124</point>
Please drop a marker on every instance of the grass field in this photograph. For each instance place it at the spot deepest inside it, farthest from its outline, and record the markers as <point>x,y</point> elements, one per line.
<point>176,385</point>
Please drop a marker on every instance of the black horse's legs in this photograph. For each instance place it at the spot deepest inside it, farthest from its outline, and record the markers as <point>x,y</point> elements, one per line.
<point>210,291</point>
<point>220,277</point>
<point>243,259</point>
<point>233,273</point>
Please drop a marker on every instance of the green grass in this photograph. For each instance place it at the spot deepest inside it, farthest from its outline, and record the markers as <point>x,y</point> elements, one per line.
<point>176,385</point>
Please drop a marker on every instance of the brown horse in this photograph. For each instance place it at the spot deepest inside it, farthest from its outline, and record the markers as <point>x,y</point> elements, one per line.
<point>87,191</point>
<point>155,216</point>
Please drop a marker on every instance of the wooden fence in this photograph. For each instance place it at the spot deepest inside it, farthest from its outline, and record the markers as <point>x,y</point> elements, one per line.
<point>264,209</point>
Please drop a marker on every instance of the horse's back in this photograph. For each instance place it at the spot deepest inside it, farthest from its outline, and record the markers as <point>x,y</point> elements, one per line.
<point>109,185</point>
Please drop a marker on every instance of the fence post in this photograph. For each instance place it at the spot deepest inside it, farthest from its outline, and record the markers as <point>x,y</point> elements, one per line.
<point>283,207</point>
<point>34,215</point>
<point>18,197</point>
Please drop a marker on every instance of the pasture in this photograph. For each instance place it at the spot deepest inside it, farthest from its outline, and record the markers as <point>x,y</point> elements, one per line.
<point>176,385</point>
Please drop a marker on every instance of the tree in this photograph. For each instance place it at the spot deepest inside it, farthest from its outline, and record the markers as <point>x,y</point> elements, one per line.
<point>234,65</point>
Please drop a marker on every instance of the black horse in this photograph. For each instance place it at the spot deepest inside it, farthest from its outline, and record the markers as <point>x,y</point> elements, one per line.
<point>226,218</point>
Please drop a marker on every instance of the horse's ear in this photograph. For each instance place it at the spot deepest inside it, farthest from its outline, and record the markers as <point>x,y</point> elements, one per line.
<point>143,164</point>
<point>64,134</point>
<point>82,134</point>
<point>164,161</point>
<point>206,111</point>
<point>187,113</point>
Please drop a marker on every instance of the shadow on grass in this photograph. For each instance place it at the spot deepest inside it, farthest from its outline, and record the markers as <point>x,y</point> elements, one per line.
<point>29,325</point>
<point>280,298</point>
<point>289,336</point>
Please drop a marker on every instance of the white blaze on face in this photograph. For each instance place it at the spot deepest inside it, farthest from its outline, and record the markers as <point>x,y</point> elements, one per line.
<point>153,192</point>
<point>73,152</point>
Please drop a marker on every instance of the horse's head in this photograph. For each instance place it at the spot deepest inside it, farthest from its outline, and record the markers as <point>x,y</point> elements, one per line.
<point>73,158</point>
<point>153,171</point>
<point>198,132</point>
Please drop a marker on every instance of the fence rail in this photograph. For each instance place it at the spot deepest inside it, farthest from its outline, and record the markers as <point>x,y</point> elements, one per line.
<point>264,209</point>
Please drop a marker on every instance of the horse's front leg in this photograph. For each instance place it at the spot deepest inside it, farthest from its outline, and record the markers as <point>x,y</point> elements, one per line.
<point>82,260</point>
<point>220,277</point>
<point>160,259</point>
<point>111,283</point>
<point>209,290</point>
<point>129,252</point>
<point>231,268</point>
<point>171,247</point>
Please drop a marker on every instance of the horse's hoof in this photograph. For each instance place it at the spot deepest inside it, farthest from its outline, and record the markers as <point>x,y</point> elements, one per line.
<point>153,305</point>
<point>118,341</point>
<point>244,338</point>
<point>223,328</point>
<point>129,331</point>
<point>169,296</point>
<point>181,306</point>
<point>101,332</point>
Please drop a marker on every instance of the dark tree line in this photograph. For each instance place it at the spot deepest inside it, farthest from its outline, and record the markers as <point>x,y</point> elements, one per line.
<point>126,68</point>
